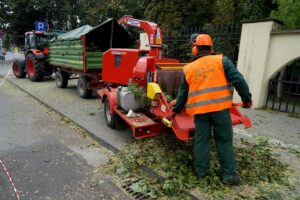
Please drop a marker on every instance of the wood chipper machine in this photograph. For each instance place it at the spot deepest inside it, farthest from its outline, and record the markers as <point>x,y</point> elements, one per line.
<point>129,73</point>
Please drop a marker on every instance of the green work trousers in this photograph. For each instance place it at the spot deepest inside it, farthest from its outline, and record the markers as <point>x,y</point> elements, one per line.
<point>220,122</point>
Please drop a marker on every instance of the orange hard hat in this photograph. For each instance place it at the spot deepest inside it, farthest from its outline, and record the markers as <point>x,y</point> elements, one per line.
<point>203,40</point>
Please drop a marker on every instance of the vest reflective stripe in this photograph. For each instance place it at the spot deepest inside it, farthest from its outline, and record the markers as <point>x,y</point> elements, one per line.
<point>210,101</point>
<point>209,89</point>
<point>213,89</point>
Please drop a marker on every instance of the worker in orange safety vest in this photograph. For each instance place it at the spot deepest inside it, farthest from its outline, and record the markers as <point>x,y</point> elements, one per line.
<point>205,93</point>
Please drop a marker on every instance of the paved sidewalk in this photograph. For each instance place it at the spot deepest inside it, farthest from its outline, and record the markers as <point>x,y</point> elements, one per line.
<point>276,125</point>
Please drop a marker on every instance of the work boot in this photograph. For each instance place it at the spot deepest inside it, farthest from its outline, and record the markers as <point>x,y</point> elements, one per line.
<point>232,180</point>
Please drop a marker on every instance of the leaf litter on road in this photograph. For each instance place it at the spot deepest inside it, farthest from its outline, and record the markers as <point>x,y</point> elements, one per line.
<point>259,169</point>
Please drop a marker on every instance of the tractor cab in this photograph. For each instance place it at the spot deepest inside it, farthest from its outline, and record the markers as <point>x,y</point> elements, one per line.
<point>35,40</point>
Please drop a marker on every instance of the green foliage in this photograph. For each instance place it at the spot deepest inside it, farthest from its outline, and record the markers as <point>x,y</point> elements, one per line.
<point>288,12</point>
<point>96,11</point>
<point>68,14</point>
<point>18,16</point>
<point>139,93</point>
<point>91,13</point>
<point>169,97</point>
<point>173,15</point>
<point>294,115</point>
<point>252,9</point>
<point>4,13</point>
<point>55,13</point>
<point>174,160</point>
<point>71,11</point>
<point>224,12</point>
<point>263,166</point>
<point>6,41</point>
<point>234,11</point>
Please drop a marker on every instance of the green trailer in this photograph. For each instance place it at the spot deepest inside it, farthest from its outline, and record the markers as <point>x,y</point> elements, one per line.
<point>79,53</point>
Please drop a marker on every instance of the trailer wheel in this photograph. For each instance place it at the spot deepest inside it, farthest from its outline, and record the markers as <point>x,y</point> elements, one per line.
<point>61,79</point>
<point>19,68</point>
<point>82,87</point>
<point>110,118</point>
<point>35,68</point>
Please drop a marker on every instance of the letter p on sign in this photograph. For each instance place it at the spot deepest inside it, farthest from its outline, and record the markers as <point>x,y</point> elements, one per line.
<point>40,26</point>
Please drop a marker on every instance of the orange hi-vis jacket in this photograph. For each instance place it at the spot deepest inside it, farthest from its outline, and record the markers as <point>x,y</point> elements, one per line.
<point>209,89</point>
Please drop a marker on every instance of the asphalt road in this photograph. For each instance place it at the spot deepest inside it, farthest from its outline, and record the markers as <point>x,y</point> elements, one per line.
<point>47,157</point>
<point>86,112</point>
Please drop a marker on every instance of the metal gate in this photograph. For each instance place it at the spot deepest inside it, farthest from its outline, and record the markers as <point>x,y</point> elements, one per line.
<point>226,41</point>
<point>284,89</point>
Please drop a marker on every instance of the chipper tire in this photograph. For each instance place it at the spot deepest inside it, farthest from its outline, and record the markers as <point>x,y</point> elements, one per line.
<point>35,68</point>
<point>110,118</point>
<point>18,68</point>
<point>82,87</point>
<point>61,79</point>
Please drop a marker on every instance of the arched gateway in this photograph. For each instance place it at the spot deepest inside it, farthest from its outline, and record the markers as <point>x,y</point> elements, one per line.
<point>264,51</point>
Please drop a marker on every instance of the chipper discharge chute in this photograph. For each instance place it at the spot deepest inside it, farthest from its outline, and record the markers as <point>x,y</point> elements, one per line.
<point>137,83</point>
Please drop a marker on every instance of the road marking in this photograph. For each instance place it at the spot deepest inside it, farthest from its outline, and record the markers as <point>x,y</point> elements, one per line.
<point>5,77</point>
<point>10,180</point>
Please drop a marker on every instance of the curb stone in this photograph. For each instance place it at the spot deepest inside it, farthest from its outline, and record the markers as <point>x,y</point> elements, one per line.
<point>271,141</point>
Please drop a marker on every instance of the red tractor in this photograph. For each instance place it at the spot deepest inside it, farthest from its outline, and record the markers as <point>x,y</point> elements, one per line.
<point>128,72</point>
<point>36,52</point>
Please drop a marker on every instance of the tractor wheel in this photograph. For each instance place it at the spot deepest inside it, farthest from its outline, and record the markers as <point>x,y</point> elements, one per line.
<point>82,87</point>
<point>35,68</point>
<point>61,79</point>
<point>19,68</point>
<point>110,118</point>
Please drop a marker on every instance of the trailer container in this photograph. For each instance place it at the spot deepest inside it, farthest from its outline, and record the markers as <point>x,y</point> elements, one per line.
<point>79,52</point>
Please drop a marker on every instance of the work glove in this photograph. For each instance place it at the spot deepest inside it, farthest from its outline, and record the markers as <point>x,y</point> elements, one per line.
<point>171,115</point>
<point>247,103</point>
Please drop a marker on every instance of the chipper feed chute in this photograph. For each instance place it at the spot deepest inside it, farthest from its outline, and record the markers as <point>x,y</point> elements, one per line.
<point>183,124</point>
<point>168,77</point>
<point>184,129</point>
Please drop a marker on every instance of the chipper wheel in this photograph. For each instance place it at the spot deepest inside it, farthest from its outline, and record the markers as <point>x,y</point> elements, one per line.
<point>110,118</point>
<point>19,68</point>
<point>61,79</point>
<point>82,87</point>
<point>35,68</point>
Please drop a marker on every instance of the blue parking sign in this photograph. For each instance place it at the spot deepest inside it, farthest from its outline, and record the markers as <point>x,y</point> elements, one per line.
<point>40,26</point>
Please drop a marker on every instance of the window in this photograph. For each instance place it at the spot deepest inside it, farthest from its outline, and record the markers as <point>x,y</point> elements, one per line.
<point>118,60</point>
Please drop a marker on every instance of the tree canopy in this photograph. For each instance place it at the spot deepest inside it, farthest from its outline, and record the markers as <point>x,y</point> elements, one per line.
<point>171,15</point>
<point>288,12</point>
<point>236,11</point>
<point>19,16</point>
